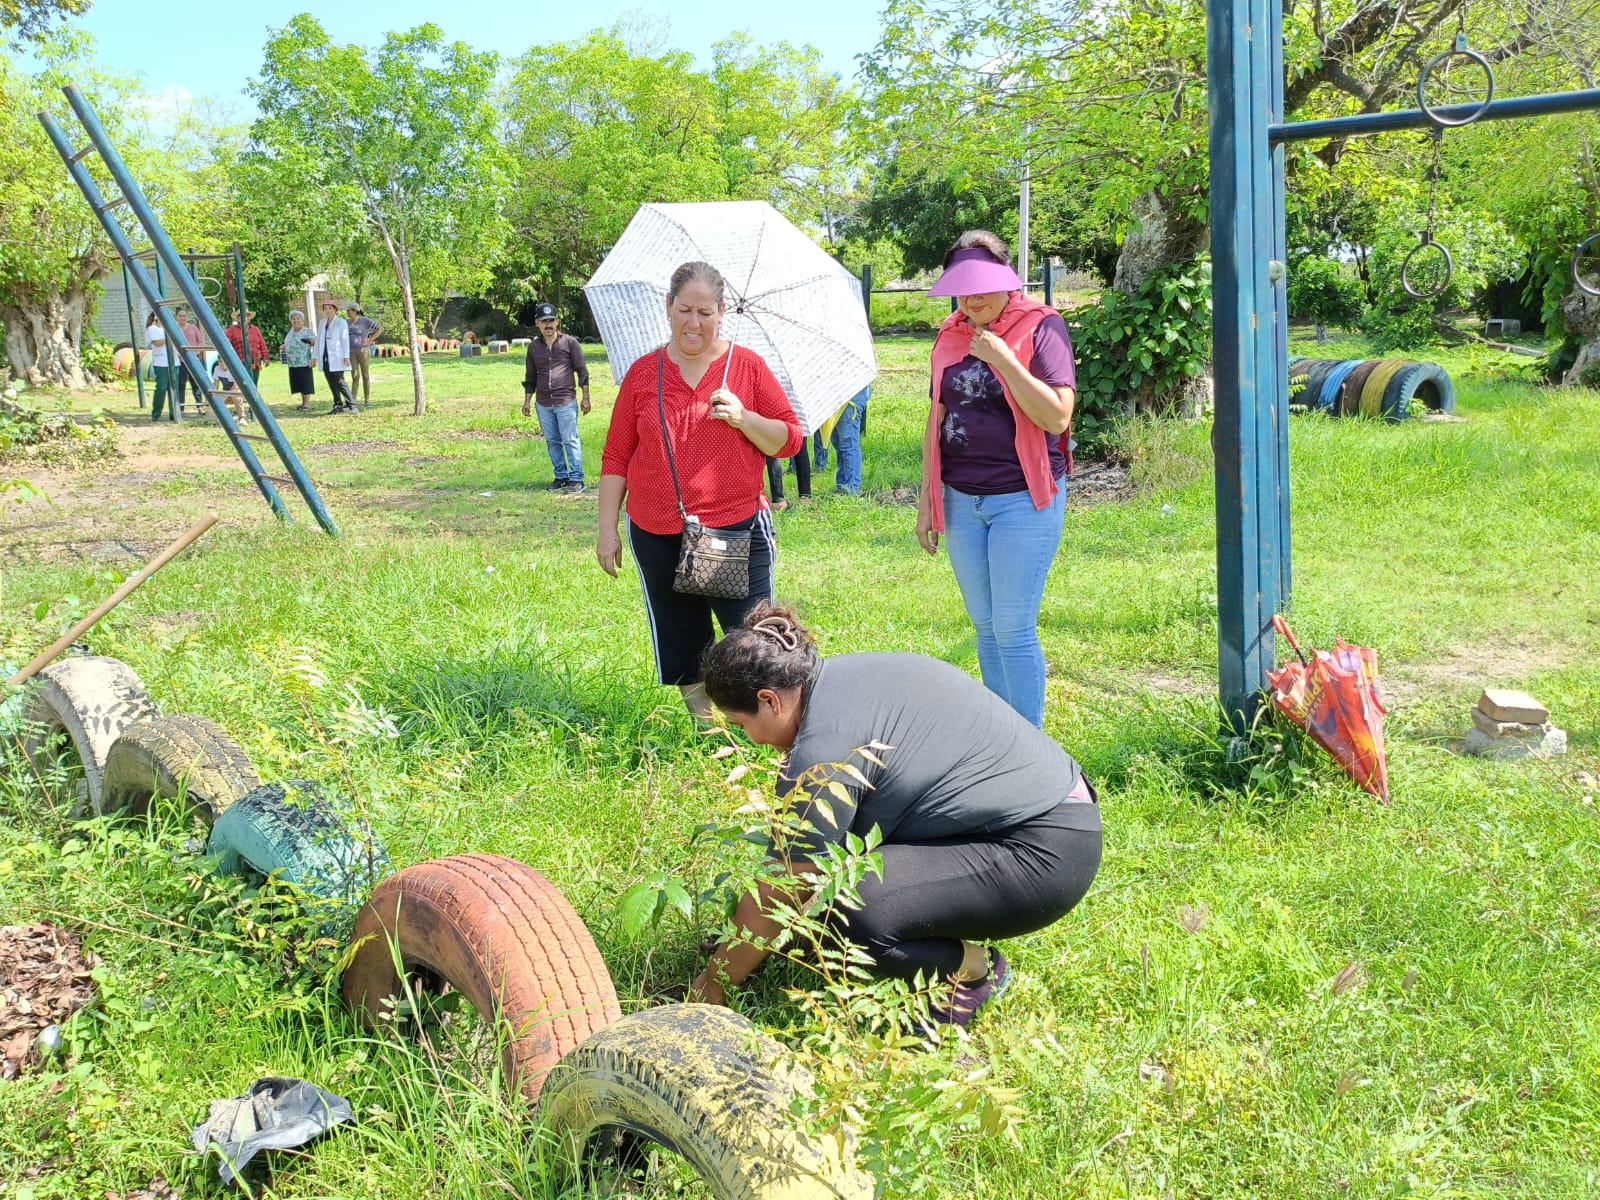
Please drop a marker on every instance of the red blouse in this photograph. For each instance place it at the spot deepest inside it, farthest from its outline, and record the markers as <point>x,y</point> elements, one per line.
<point>719,469</point>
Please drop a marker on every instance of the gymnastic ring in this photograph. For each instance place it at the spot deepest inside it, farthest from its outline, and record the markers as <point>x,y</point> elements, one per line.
<point>1461,50</point>
<point>1427,242</point>
<point>1584,246</point>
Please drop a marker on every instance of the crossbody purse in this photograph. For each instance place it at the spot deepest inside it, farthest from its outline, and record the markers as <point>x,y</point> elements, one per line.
<point>711,562</point>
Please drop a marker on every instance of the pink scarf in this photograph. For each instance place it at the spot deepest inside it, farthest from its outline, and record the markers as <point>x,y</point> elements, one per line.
<point>1015,326</point>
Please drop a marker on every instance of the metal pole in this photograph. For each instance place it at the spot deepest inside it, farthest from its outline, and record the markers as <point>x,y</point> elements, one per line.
<point>1022,214</point>
<point>1278,396</point>
<point>1049,282</point>
<point>1415,118</point>
<point>175,338</point>
<point>866,291</point>
<point>244,311</point>
<point>133,334</point>
<point>1245,435</point>
<point>165,251</point>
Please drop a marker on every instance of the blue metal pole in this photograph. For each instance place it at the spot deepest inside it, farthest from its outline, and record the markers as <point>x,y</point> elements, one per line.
<point>165,251</point>
<point>133,334</point>
<point>175,338</point>
<point>1245,435</point>
<point>1415,118</point>
<point>1279,393</point>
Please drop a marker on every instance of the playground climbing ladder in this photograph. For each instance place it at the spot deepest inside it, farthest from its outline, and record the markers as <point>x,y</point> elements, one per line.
<point>164,254</point>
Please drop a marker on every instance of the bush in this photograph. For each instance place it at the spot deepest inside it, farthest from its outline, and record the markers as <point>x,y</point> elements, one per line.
<point>1322,290</point>
<point>54,438</point>
<point>1152,342</point>
<point>99,358</point>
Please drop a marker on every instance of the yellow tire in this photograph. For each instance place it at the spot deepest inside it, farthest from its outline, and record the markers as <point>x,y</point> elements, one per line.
<point>1377,383</point>
<point>709,1086</point>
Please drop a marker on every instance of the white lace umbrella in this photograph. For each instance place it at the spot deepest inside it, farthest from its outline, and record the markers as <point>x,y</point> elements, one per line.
<point>788,300</point>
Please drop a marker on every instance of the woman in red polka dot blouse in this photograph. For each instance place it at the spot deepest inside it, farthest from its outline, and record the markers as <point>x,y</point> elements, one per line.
<point>721,434</point>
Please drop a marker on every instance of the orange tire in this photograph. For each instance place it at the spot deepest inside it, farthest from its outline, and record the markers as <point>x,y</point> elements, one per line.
<point>501,934</point>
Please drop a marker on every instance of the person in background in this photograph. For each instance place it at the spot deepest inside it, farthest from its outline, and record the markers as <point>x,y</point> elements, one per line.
<point>990,829</point>
<point>555,361</point>
<point>297,353</point>
<point>364,334</point>
<point>802,478</point>
<point>846,440</point>
<point>193,335</point>
<point>333,355</point>
<point>726,411</point>
<point>1002,385</point>
<point>257,357</point>
<point>155,337</point>
<point>223,384</point>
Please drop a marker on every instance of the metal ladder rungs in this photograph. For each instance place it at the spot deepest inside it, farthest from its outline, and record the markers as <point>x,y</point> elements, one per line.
<point>284,479</point>
<point>82,154</point>
<point>256,437</point>
<point>110,204</point>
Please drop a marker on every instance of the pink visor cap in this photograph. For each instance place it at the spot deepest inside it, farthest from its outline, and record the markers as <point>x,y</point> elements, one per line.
<point>973,271</point>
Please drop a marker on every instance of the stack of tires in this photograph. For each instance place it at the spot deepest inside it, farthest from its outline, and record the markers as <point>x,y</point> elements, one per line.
<point>1373,387</point>
<point>700,1081</point>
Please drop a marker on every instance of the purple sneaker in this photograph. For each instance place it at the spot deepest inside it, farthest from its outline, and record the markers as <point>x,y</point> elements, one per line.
<point>967,998</point>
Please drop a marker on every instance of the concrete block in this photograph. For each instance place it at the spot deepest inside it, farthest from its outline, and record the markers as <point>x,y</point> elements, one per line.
<point>1503,326</point>
<point>1480,743</point>
<point>1508,729</point>
<point>1504,704</point>
<point>520,341</point>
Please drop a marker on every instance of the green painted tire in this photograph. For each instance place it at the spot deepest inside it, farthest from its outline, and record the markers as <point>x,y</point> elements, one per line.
<point>706,1084</point>
<point>308,838</point>
<point>179,755</point>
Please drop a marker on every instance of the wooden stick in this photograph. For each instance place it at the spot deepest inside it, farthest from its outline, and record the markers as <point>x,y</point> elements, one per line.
<point>128,587</point>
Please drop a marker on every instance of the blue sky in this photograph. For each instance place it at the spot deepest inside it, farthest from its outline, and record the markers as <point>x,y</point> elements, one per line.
<point>181,49</point>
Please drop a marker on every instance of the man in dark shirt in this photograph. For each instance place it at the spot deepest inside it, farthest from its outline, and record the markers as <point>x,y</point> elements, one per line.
<point>555,361</point>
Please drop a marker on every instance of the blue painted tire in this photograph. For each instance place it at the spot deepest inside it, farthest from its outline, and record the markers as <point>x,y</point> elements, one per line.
<point>310,840</point>
<point>1429,381</point>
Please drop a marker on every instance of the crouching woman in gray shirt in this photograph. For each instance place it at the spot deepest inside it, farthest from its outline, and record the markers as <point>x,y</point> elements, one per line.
<point>990,829</point>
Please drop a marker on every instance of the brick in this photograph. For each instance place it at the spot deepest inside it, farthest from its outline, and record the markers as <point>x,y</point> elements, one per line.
<point>1508,729</point>
<point>1503,704</point>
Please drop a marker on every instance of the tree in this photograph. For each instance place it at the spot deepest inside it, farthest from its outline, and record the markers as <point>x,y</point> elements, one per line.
<point>52,249</point>
<point>398,145</point>
<point>599,126</point>
<point>33,20</point>
<point>1109,100</point>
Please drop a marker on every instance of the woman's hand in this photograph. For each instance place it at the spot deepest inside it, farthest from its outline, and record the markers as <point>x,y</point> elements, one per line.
<point>727,408</point>
<point>991,349</point>
<point>706,990</point>
<point>927,535</point>
<point>608,550</point>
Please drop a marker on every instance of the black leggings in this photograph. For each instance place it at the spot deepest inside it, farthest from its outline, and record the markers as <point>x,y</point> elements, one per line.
<point>680,624</point>
<point>802,474</point>
<point>979,887</point>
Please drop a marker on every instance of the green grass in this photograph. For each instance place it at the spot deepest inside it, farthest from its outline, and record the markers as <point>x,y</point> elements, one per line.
<point>1152,1061</point>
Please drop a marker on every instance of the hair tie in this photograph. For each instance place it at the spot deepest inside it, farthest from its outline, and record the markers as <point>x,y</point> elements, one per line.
<point>780,630</point>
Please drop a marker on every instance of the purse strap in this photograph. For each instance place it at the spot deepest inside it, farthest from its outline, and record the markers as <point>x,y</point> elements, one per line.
<point>666,438</point>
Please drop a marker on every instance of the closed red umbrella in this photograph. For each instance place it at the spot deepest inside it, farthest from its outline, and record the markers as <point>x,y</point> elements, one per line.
<point>1334,697</point>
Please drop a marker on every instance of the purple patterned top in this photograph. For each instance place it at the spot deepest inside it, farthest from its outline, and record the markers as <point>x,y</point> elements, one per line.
<point>978,440</point>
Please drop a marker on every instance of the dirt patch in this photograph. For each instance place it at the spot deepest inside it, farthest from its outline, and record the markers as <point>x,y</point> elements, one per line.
<point>488,435</point>
<point>351,448</point>
<point>1091,483</point>
<point>424,459</point>
<point>1464,670</point>
<point>45,981</point>
<point>1099,483</point>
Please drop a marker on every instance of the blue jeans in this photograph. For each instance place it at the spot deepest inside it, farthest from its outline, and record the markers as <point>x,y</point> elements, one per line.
<point>1001,548</point>
<point>847,441</point>
<point>560,426</point>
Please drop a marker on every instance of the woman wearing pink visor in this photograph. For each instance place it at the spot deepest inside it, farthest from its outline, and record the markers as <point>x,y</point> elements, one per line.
<point>994,461</point>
